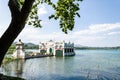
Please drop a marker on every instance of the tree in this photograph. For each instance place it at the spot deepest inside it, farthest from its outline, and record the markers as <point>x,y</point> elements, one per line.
<point>25,12</point>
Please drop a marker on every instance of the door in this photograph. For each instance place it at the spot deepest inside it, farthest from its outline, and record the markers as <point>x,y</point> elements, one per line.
<point>51,51</point>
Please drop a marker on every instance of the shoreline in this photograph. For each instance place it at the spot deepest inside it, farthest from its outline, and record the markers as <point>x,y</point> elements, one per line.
<point>5,77</point>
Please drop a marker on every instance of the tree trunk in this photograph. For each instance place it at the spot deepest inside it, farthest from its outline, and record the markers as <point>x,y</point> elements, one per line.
<point>17,24</point>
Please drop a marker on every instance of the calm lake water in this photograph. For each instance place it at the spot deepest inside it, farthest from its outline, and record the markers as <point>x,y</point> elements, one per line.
<point>85,65</point>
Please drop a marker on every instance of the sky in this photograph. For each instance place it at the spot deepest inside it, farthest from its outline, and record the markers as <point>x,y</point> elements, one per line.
<point>98,26</point>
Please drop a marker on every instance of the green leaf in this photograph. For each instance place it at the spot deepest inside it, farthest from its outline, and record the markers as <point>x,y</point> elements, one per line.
<point>65,12</point>
<point>78,14</point>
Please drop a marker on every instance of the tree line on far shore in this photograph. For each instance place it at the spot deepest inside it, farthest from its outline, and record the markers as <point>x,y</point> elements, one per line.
<point>34,46</point>
<point>97,48</point>
<point>26,46</point>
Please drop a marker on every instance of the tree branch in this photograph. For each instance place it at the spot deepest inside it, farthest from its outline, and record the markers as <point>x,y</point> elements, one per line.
<point>27,6</point>
<point>17,24</point>
<point>14,8</point>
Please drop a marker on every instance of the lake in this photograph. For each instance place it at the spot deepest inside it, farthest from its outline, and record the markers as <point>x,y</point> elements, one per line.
<point>85,65</point>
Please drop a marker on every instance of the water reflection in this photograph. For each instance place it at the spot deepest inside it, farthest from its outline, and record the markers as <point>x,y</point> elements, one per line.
<point>19,67</point>
<point>14,68</point>
<point>43,67</point>
<point>86,65</point>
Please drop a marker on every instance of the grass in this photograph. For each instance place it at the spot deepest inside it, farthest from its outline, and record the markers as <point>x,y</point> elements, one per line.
<point>6,60</point>
<point>10,51</point>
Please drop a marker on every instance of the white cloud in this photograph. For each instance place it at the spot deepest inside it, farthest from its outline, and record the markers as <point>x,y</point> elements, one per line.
<point>99,28</point>
<point>94,35</point>
<point>114,33</point>
<point>42,10</point>
<point>104,27</point>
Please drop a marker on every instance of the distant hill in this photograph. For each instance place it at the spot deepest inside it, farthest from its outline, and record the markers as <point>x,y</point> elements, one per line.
<point>81,47</point>
<point>78,45</point>
<point>31,46</point>
<point>93,48</point>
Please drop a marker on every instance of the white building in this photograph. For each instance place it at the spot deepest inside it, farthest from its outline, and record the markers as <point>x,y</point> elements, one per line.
<point>19,53</point>
<point>57,48</point>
